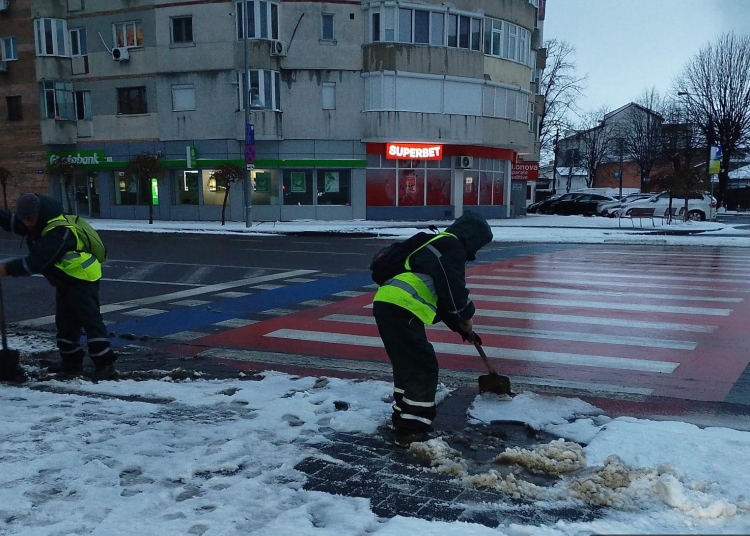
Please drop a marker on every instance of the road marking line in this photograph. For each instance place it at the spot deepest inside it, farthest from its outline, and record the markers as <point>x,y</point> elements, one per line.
<point>597,338</point>
<point>581,273</point>
<point>607,293</point>
<point>378,368</point>
<point>208,289</point>
<point>144,312</point>
<point>236,323</point>
<point>608,284</point>
<point>139,274</point>
<point>190,303</point>
<point>494,352</point>
<point>197,275</point>
<point>610,306</point>
<point>648,268</point>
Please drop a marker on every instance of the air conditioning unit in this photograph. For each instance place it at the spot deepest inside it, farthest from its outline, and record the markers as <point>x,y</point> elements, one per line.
<point>278,48</point>
<point>4,5</point>
<point>464,162</point>
<point>3,66</point>
<point>120,54</point>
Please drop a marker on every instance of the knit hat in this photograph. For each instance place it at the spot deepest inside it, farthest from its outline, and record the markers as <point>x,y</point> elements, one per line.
<point>27,206</point>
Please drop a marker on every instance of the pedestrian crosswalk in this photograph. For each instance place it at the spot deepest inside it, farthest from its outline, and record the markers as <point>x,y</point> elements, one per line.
<point>633,322</point>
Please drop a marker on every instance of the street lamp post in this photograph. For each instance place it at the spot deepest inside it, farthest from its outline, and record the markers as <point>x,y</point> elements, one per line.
<point>554,165</point>
<point>246,106</point>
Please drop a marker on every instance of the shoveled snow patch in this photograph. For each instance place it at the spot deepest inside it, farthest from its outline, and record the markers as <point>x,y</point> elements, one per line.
<point>30,343</point>
<point>571,418</point>
<point>554,458</point>
<point>441,457</point>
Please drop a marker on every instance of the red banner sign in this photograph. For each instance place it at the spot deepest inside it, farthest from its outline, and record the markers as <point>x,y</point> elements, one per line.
<point>413,151</point>
<point>525,171</point>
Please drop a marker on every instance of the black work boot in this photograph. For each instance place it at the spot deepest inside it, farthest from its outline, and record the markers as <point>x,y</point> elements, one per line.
<point>67,369</point>
<point>104,371</point>
<point>405,438</point>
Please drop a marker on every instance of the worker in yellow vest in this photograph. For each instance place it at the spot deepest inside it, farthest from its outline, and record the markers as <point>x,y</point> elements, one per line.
<point>432,289</point>
<point>58,253</point>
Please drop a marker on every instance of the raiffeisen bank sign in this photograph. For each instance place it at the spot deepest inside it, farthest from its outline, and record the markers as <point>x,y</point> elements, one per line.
<point>413,151</point>
<point>82,158</point>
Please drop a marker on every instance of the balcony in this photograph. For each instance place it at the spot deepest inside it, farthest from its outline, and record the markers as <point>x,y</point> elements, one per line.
<point>56,132</point>
<point>423,59</point>
<point>268,124</point>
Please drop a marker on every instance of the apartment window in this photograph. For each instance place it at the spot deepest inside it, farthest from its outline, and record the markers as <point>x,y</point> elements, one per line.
<point>437,29</point>
<point>9,49</point>
<point>452,30</point>
<point>127,34</point>
<point>51,37</point>
<point>327,20</point>
<point>15,108</point>
<point>131,100</point>
<point>83,105</point>
<point>183,98</point>
<point>264,91</point>
<point>57,101</point>
<point>404,25</point>
<point>329,95</point>
<point>78,46</point>
<point>260,19</point>
<point>463,32</point>
<point>375,27</point>
<point>182,30</point>
<point>509,41</point>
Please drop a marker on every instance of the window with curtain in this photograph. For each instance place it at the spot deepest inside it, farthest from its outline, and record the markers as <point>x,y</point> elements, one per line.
<point>58,101</point>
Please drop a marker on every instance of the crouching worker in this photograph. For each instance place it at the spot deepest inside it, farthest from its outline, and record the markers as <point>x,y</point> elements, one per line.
<point>60,252</point>
<point>432,288</point>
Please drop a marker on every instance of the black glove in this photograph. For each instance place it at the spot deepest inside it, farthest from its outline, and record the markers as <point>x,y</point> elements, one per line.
<point>472,337</point>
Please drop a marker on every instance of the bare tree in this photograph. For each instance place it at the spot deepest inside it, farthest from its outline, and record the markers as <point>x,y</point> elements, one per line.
<point>561,86</point>
<point>144,167</point>
<point>716,87</point>
<point>63,168</point>
<point>641,133</point>
<point>226,175</point>
<point>6,177</point>
<point>595,138</point>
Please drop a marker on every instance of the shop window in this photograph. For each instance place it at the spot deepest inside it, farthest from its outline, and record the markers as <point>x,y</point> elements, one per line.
<point>182,30</point>
<point>213,189</point>
<point>187,187</point>
<point>131,100</point>
<point>297,187</point>
<point>485,188</point>
<point>380,187</point>
<point>334,187</point>
<point>51,37</point>
<point>471,188</point>
<point>127,34</point>
<point>130,190</point>
<point>411,187</point>
<point>15,108</point>
<point>57,101</point>
<point>438,187</point>
<point>265,187</point>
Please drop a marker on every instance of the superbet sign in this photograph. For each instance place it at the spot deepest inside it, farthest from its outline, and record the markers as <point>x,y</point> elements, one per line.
<point>413,151</point>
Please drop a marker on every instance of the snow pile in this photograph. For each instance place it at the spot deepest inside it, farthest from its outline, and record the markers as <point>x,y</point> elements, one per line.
<point>694,502</point>
<point>441,457</point>
<point>554,458</point>
<point>511,485</point>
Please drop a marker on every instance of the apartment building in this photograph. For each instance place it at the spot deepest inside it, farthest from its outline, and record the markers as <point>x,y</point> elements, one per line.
<point>358,110</point>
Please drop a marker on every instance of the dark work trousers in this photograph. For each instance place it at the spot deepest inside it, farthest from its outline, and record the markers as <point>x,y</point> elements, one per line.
<point>77,307</point>
<point>415,367</point>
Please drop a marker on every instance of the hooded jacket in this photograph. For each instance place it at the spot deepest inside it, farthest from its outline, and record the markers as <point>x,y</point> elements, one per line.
<point>457,245</point>
<point>44,251</point>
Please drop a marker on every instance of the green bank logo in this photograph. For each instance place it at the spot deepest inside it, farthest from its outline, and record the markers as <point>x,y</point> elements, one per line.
<point>81,158</point>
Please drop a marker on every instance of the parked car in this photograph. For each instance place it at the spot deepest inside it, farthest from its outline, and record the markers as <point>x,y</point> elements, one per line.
<point>544,208</point>
<point>533,208</point>
<point>583,205</point>
<point>607,208</point>
<point>701,206</point>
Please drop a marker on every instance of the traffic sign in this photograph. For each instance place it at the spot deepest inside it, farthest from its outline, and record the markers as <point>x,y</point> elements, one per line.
<point>249,134</point>
<point>250,154</point>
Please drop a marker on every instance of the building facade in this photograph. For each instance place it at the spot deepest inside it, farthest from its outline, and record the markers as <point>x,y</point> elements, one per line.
<point>359,110</point>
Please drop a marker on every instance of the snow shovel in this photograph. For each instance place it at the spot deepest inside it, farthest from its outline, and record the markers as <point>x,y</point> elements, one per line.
<point>10,369</point>
<point>492,382</point>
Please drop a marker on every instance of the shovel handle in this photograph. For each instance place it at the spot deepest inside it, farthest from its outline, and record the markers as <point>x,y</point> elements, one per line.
<point>486,361</point>
<point>3,330</point>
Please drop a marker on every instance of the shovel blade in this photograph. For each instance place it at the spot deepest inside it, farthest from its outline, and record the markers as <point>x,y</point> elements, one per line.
<point>495,383</point>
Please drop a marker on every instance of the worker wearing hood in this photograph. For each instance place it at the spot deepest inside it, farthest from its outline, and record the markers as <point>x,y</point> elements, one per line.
<point>432,289</point>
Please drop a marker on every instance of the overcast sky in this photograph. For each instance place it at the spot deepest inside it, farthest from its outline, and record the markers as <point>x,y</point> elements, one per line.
<point>627,46</point>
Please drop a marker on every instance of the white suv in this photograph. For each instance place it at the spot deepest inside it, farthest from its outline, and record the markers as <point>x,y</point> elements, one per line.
<point>701,206</point>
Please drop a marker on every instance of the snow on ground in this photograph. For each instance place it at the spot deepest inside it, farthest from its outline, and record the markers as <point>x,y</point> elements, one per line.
<point>217,457</point>
<point>537,228</point>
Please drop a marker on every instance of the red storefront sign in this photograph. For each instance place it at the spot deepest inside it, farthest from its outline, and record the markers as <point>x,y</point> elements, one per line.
<point>525,171</point>
<point>413,151</point>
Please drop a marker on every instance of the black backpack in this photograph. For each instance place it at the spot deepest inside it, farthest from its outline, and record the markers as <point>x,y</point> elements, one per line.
<point>390,261</point>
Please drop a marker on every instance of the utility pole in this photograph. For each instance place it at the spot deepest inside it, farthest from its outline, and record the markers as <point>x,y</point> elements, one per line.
<point>620,144</point>
<point>554,165</point>
<point>246,105</point>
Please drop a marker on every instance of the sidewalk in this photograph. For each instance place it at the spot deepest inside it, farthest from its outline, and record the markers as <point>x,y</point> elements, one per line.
<point>532,228</point>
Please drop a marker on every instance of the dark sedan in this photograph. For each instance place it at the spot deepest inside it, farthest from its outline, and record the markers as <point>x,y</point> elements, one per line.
<point>581,205</point>
<point>546,208</point>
